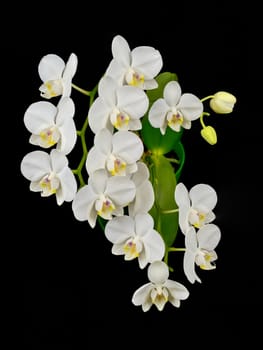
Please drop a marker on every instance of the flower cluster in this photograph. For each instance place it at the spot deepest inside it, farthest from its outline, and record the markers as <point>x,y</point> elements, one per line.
<point>137,116</point>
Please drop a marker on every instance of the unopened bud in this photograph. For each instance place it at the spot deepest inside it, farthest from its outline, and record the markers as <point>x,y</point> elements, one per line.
<point>209,134</point>
<point>223,102</point>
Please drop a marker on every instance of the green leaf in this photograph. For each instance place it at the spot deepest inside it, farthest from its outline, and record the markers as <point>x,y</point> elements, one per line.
<point>155,141</point>
<point>152,137</point>
<point>163,180</point>
<point>179,150</point>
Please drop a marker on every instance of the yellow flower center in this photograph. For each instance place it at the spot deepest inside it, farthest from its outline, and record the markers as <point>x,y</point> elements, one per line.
<point>51,88</point>
<point>122,121</point>
<point>130,250</point>
<point>159,296</point>
<point>104,207</point>
<point>49,185</point>
<point>175,120</point>
<point>49,137</point>
<point>196,218</point>
<point>116,166</point>
<point>134,78</point>
<point>201,220</point>
<point>205,259</point>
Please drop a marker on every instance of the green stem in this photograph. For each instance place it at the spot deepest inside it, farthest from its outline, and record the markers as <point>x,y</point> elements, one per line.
<point>172,249</point>
<point>207,98</point>
<point>202,118</point>
<point>85,92</point>
<point>82,133</point>
<point>173,160</point>
<point>202,121</point>
<point>166,260</point>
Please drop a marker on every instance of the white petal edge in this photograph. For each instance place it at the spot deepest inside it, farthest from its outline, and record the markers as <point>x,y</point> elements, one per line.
<point>50,67</point>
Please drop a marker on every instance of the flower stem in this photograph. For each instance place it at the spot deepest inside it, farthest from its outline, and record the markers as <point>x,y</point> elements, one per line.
<point>207,98</point>
<point>172,249</point>
<point>202,118</point>
<point>85,92</point>
<point>166,259</point>
<point>173,160</point>
<point>202,121</point>
<point>82,133</point>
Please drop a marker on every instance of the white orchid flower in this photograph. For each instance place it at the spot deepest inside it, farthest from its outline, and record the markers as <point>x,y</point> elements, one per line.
<point>200,250</point>
<point>196,206</point>
<point>117,153</point>
<point>56,75</point>
<point>119,107</point>
<point>175,109</point>
<point>160,289</point>
<point>104,196</point>
<point>49,174</point>
<point>135,238</point>
<point>52,125</point>
<point>144,197</point>
<point>137,67</point>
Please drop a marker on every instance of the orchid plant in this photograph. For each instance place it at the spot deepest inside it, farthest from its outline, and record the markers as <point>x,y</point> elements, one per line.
<point>137,116</point>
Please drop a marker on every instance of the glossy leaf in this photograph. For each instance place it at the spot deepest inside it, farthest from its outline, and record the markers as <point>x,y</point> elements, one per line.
<point>164,181</point>
<point>179,150</point>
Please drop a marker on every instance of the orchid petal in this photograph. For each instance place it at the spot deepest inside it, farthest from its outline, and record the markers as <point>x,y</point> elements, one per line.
<point>176,290</point>
<point>119,229</point>
<point>181,195</point>
<point>158,272</point>
<point>95,160</point>
<point>144,198</point>
<point>35,165</point>
<point>121,190</point>
<point>68,136</point>
<point>141,294</point>
<point>157,113</point>
<point>127,145</point>
<point>68,74</point>
<point>189,256</point>
<point>203,197</point>
<point>172,93</point>
<point>121,51</point>
<point>141,175</point>
<point>66,110</point>
<point>208,236</point>
<point>98,116</point>
<point>50,67</point>
<point>189,267</point>
<point>147,60</point>
<point>68,184</point>
<point>103,141</point>
<point>58,160</point>
<point>83,205</point>
<point>39,116</point>
<point>107,91</point>
<point>143,224</point>
<point>116,72</point>
<point>190,106</point>
<point>154,246</point>
<point>98,180</point>
<point>133,101</point>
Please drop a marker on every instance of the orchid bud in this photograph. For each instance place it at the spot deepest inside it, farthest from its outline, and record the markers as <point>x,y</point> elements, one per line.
<point>222,102</point>
<point>209,134</point>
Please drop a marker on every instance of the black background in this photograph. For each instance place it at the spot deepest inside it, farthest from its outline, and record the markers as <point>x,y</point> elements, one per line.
<point>73,292</point>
